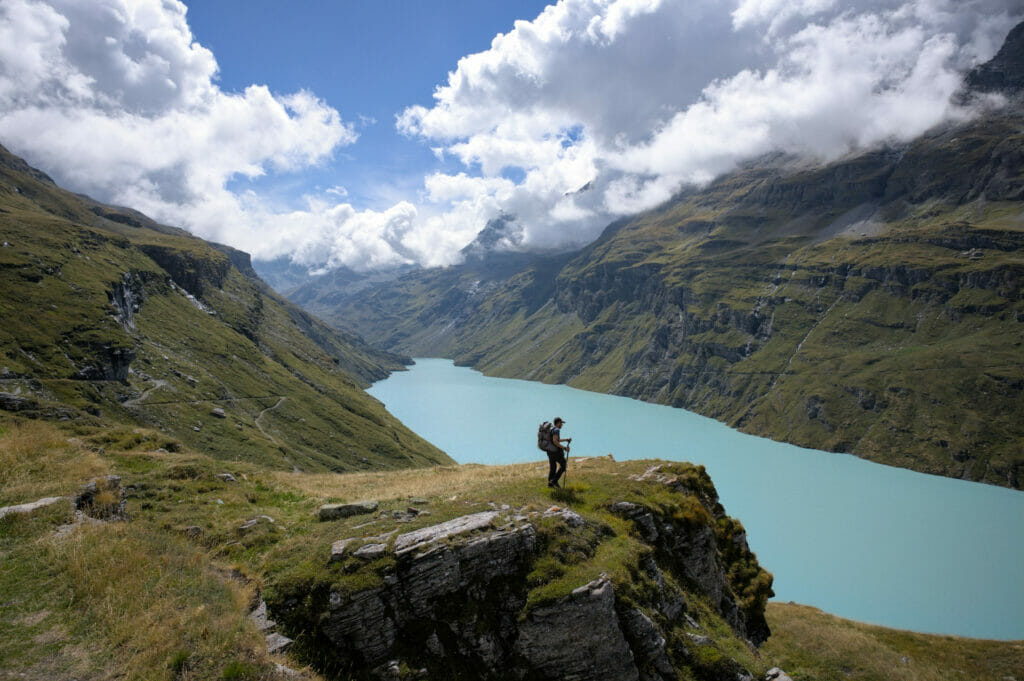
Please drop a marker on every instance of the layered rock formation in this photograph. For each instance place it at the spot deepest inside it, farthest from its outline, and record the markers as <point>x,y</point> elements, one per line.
<point>467,598</point>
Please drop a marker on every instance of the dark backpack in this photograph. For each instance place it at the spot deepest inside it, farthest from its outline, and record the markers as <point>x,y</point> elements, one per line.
<point>544,436</point>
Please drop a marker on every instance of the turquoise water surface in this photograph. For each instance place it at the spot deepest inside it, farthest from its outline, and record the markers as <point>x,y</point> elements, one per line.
<point>860,540</point>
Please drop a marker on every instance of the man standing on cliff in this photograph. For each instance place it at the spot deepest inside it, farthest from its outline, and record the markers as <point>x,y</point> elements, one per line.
<point>557,453</point>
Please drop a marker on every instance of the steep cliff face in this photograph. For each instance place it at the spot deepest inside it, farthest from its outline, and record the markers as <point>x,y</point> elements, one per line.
<point>658,585</point>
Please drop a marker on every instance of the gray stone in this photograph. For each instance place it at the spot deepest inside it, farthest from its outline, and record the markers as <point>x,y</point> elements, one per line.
<point>648,645</point>
<point>418,539</point>
<point>278,644</point>
<point>570,517</point>
<point>192,531</point>
<point>261,619</point>
<point>218,412</point>
<point>428,578</point>
<point>227,477</point>
<point>700,640</point>
<point>776,674</point>
<point>30,507</point>
<point>253,522</point>
<point>338,511</point>
<point>455,594</point>
<point>370,551</point>
<point>340,548</point>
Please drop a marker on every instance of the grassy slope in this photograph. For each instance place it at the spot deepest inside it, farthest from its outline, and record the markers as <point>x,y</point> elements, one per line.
<point>836,307</point>
<point>289,387</point>
<point>140,600</point>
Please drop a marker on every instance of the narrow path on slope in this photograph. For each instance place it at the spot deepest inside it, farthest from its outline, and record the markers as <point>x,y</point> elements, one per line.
<point>271,437</point>
<point>137,401</point>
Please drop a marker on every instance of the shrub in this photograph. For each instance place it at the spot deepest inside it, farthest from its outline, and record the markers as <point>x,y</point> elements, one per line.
<point>240,671</point>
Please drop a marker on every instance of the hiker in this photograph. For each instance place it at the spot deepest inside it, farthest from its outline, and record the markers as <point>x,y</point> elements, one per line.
<point>556,449</point>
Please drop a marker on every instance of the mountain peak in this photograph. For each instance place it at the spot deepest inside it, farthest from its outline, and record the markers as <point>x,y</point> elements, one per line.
<point>1005,71</point>
<point>499,234</point>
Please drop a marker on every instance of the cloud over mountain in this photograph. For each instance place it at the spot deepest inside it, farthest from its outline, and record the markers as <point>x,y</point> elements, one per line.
<point>629,99</point>
<point>638,97</point>
<point>116,99</point>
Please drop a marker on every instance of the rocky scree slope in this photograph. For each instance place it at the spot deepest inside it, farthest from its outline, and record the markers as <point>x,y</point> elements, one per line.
<point>872,305</point>
<point>111,316</point>
<point>656,583</point>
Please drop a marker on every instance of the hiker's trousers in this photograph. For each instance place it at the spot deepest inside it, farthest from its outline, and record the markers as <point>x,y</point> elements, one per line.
<point>556,466</point>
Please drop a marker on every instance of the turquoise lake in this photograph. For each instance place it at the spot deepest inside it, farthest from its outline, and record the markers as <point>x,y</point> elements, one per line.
<point>860,540</point>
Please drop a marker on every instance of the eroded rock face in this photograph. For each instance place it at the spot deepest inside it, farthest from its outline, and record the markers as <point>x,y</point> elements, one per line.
<point>449,601</point>
<point>578,637</point>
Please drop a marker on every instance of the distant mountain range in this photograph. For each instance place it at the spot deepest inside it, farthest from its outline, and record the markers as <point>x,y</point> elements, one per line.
<point>871,305</point>
<point>112,317</point>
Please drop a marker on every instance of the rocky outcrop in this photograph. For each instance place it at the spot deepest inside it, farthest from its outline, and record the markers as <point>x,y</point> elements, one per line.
<point>194,270</point>
<point>126,297</point>
<point>103,498</point>
<point>1004,72</point>
<point>338,511</point>
<point>11,402</point>
<point>579,637</point>
<point>106,363</point>
<point>456,600</point>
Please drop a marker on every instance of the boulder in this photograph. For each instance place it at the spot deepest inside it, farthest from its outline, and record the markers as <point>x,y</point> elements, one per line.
<point>192,531</point>
<point>30,507</point>
<point>338,511</point>
<point>455,599</point>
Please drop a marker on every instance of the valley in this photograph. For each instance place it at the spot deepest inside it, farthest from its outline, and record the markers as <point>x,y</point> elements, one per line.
<point>872,305</point>
<point>196,484</point>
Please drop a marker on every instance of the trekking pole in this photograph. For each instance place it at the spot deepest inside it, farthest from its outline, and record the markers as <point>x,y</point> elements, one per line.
<point>565,479</point>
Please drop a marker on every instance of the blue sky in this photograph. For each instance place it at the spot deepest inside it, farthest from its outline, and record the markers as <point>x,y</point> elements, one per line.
<point>368,60</point>
<point>377,134</point>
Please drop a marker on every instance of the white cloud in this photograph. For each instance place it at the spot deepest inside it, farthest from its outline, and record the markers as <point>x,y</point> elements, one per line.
<point>116,99</point>
<point>638,98</point>
<point>776,13</point>
<point>594,109</point>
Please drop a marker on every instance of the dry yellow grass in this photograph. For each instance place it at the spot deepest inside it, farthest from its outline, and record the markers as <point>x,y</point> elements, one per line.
<point>150,598</point>
<point>814,646</point>
<point>438,481</point>
<point>37,460</point>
